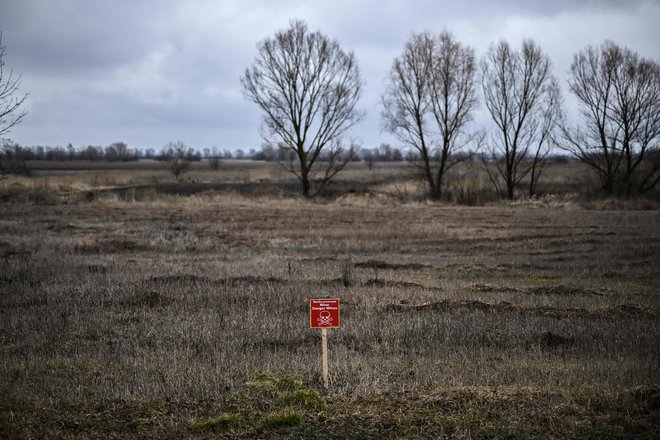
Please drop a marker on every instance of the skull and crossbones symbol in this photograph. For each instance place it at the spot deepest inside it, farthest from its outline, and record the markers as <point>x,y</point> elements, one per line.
<point>324,318</point>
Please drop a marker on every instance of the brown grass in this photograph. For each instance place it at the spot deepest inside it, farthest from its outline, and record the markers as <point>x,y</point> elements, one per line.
<point>186,315</point>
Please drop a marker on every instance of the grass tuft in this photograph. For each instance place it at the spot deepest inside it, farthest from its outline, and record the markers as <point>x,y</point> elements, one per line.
<point>268,384</point>
<point>304,398</point>
<point>281,419</point>
<point>222,422</point>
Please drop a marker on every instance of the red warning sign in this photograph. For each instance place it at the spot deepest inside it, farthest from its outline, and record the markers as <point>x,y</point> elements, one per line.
<point>324,313</point>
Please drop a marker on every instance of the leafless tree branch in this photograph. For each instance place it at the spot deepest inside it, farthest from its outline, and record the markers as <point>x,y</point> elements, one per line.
<point>524,103</point>
<point>308,89</point>
<point>619,96</point>
<point>429,102</point>
<point>11,102</point>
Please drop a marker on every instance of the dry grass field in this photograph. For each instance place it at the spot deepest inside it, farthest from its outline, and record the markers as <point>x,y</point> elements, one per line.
<point>133,306</point>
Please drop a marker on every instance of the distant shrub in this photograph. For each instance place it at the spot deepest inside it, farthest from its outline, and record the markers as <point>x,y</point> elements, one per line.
<point>177,157</point>
<point>468,190</point>
<point>12,160</point>
<point>214,163</point>
<point>17,195</point>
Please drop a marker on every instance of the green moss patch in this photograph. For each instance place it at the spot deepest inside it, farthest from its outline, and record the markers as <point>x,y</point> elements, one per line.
<point>223,422</point>
<point>281,419</point>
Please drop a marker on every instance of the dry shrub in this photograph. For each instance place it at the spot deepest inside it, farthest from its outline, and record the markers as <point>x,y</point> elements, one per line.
<point>21,195</point>
<point>469,190</point>
<point>565,201</point>
<point>365,199</point>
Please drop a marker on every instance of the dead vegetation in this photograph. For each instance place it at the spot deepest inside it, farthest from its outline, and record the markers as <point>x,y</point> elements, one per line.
<point>181,316</point>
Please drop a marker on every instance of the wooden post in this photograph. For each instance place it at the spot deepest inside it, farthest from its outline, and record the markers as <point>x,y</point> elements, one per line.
<point>324,314</point>
<point>324,349</point>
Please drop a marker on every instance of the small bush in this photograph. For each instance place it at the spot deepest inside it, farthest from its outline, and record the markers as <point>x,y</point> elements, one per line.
<point>214,163</point>
<point>468,191</point>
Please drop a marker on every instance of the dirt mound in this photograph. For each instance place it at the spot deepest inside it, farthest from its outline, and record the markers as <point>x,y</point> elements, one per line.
<point>624,310</point>
<point>557,290</point>
<point>488,288</point>
<point>188,279</point>
<point>111,246</point>
<point>560,290</point>
<point>177,279</point>
<point>388,283</point>
<point>377,264</point>
<point>634,309</point>
<point>447,305</point>
<point>249,279</point>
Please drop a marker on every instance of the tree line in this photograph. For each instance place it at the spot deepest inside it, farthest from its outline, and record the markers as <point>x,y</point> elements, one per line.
<point>308,88</point>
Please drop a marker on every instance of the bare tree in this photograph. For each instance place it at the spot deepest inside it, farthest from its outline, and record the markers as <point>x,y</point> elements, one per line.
<point>307,88</point>
<point>118,151</point>
<point>523,99</point>
<point>10,101</point>
<point>619,96</point>
<point>214,159</point>
<point>177,158</point>
<point>550,120</point>
<point>13,159</point>
<point>429,102</point>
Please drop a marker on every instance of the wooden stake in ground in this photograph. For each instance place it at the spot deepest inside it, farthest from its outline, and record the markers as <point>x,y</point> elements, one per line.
<point>324,349</point>
<point>324,314</point>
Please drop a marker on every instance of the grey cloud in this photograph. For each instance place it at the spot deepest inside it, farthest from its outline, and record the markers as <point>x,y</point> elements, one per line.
<point>67,36</point>
<point>152,70</point>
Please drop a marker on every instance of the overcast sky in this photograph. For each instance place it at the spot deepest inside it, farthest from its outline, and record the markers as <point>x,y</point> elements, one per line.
<point>150,71</point>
